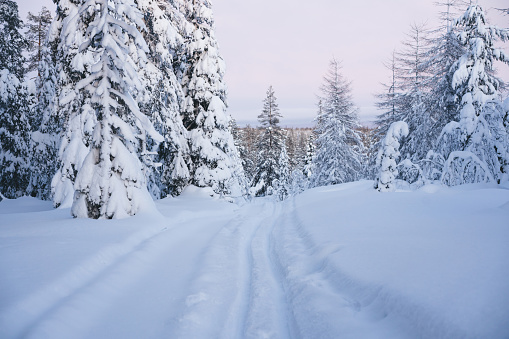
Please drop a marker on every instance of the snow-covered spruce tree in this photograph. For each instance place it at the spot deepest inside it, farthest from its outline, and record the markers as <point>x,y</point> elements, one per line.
<point>476,147</point>
<point>282,185</point>
<point>14,134</point>
<point>338,144</point>
<point>291,148</point>
<point>301,149</point>
<point>161,99</point>
<point>272,160</point>
<point>37,27</point>
<point>215,161</point>
<point>47,117</point>
<point>12,41</point>
<point>73,105</point>
<point>249,151</point>
<point>111,182</point>
<point>241,154</point>
<point>388,155</point>
<point>14,126</point>
<point>308,168</point>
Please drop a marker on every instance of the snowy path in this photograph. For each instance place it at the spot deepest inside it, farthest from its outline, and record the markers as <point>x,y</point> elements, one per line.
<point>202,278</point>
<point>305,268</point>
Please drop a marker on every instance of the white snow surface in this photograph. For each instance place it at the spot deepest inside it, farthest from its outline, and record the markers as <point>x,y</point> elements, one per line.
<point>341,261</point>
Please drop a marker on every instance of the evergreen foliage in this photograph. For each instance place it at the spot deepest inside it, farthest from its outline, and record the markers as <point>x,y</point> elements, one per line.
<point>14,102</point>
<point>111,182</point>
<point>11,40</point>
<point>161,99</point>
<point>338,144</point>
<point>388,156</point>
<point>271,174</point>
<point>14,134</point>
<point>46,119</point>
<point>37,27</point>
<point>478,141</point>
<point>215,161</point>
<point>405,98</point>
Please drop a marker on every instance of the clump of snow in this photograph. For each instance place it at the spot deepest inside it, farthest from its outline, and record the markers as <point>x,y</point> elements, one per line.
<point>192,191</point>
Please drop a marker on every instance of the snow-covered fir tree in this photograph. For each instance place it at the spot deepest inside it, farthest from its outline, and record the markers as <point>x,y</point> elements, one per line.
<point>72,104</point>
<point>308,168</point>
<point>291,148</point>
<point>388,156</point>
<point>47,120</point>
<point>249,151</point>
<point>215,161</point>
<point>37,27</point>
<point>14,126</point>
<point>161,99</point>
<point>282,185</point>
<point>111,182</point>
<point>14,134</point>
<point>272,162</point>
<point>475,147</point>
<point>338,144</point>
<point>12,41</point>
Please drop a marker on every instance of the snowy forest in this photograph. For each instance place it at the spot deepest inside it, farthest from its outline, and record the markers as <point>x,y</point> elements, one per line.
<point>134,205</point>
<point>129,102</point>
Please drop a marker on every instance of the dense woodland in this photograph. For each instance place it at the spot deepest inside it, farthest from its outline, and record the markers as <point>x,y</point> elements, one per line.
<point>107,104</point>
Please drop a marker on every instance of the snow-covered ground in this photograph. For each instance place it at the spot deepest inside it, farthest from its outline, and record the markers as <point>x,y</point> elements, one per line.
<point>335,262</point>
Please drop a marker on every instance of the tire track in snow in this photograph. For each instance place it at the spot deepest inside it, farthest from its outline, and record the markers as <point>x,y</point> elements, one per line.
<point>218,301</point>
<point>318,309</point>
<point>236,293</point>
<point>327,303</point>
<point>268,315</point>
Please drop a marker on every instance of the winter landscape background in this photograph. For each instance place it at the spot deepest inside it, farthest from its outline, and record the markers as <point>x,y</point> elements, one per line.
<point>133,204</point>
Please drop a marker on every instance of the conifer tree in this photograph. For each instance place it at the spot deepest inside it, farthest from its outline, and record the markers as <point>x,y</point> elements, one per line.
<point>12,41</point>
<point>37,27</point>
<point>14,126</point>
<point>282,184</point>
<point>73,105</point>
<point>47,119</point>
<point>111,182</point>
<point>392,103</point>
<point>161,99</point>
<point>14,133</point>
<point>308,168</point>
<point>215,161</point>
<point>476,146</point>
<point>338,144</point>
<point>414,73</point>
<point>445,49</point>
<point>388,155</point>
<point>272,161</point>
<point>249,151</point>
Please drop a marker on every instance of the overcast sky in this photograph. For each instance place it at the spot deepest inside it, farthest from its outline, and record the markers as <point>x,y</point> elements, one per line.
<point>288,44</point>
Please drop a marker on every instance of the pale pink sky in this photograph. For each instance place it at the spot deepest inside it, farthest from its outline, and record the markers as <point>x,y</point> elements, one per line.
<point>288,44</point>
